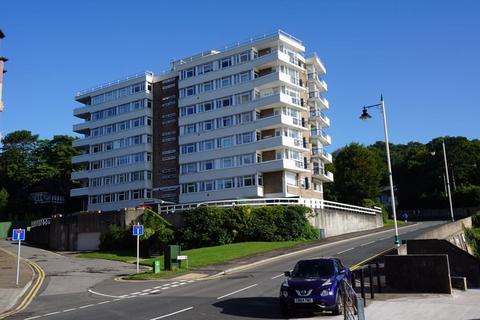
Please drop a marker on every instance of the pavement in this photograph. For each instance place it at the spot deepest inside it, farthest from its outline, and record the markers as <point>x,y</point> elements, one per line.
<point>10,292</point>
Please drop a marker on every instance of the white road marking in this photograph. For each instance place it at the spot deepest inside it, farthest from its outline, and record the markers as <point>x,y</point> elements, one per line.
<point>173,313</point>
<point>143,294</point>
<point>68,310</point>
<point>383,238</point>
<point>190,281</point>
<point>86,306</point>
<point>182,283</point>
<point>32,318</point>
<point>366,244</point>
<point>175,285</point>
<point>136,292</point>
<point>146,290</point>
<point>345,251</point>
<point>157,287</point>
<point>102,294</point>
<point>175,282</point>
<point>237,291</point>
<point>277,276</point>
<point>165,288</point>
<point>51,313</point>
<point>154,291</point>
<point>103,302</point>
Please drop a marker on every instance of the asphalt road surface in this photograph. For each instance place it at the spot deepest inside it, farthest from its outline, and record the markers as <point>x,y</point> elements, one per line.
<point>248,294</point>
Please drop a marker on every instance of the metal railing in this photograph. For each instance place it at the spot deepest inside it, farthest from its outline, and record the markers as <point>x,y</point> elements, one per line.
<point>111,83</point>
<point>308,202</point>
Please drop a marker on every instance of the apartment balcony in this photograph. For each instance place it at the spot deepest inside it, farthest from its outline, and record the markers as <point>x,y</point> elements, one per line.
<point>317,115</point>
<point>317,98</point>
<point>315,60</point>
<point>322,175</point>
<point>78,192</point>
<point>275,142</point>
<point>82,158</point>
<point>82,128</point>
<point>317,81</point>
<point>268,79</point>
<point>321,154</point>
<point>82,112</point>
<point>280,120</point>
<point>316,134</point>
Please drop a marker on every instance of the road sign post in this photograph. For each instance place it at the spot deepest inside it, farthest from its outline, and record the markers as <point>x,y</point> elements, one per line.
<point>18,235</point>
<point>138,231</point>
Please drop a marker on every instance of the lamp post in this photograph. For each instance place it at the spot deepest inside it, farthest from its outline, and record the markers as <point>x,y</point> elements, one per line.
<point>366,116</point>
<point>448,179</point>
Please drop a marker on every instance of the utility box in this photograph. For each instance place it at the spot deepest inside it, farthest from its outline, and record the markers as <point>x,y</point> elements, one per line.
<point>170,257</point>
<point>156,266</point>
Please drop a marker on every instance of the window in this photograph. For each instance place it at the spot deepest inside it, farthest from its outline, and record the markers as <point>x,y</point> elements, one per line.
<point>207,106</point>
<point>227,162</point>
<point>227,121</point>
<point>95,165</point>
<point>226,81</point>
<point>96,148</point>
<point>138,122</point>
<point>189,148</point>
<point>137,194</point>
<point>189,72</point>
<point>124,125</point>
<point>209,145</point>
<point>190,91</point>
<point>190,128</point>
<point>226,62</point>
<point>108,146</point>
<point>189,187</point>
<point>138,87</point>
<point>138,104</point>
<point>208,125</point>
<point>109,129</point>
<point>244,56</point>
<point>244,76</point>
<point>137,157</point>
<point>108,197</point>
<point>122,160</point>
<point>123,92</point>
<point>108,163</point>
<point>189,168</point>
<point>95,182</point>
<point>137,176</point>
<point>227,142</point>
<point>291,178</point>
<point>207,86</point>
<point>107,180</point>
<point>246,117</point>
<point>228,183</point>
<point>96,132</point>
<point>190,109</point>
<point>208,165</point>
<point>122,178</point>
<point>260,180</point>
<point>121,196</point>
<point>248,181</point>
<point>243,98</point>
<point>94,199</point>
<point>225,102</point>
<point>246,159</point>
<point>136,140</point>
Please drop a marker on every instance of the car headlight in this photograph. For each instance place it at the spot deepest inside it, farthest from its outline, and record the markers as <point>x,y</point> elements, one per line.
<point>285,284</point>
<point>324,293</point>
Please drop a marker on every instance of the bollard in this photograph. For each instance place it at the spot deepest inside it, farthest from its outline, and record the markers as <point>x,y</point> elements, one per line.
<point>379,284</point>
<point>362,286</point>
<point>370,278</point>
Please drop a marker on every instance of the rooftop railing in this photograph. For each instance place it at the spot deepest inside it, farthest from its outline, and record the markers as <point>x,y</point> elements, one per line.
<point>111,83</point>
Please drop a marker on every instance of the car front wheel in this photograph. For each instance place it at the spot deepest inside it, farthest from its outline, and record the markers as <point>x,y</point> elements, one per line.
<point>338,310</point>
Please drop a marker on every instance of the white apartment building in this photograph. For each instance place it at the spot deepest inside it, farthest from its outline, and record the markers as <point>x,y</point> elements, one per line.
<point>251,122</point>
<point>244,122</point>
<point>116,146</point>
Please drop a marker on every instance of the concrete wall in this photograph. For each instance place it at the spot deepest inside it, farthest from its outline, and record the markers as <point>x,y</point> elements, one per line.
<point>336,222</point>
<point>461,262</point>
<point>63,231</point>
<point>448,231</point>
<point>5,229</point>
<point>428,273</point>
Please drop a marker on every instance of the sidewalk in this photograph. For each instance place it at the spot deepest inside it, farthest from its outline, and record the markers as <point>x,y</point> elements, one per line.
<point>459,305</point>
<point>10,293</point>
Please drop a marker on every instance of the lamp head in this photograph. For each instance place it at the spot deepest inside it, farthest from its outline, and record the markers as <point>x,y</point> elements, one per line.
<point>365,115</point>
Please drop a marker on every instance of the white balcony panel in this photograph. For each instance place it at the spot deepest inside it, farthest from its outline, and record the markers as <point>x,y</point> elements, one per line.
<point>236,193</point>
<point>120,187</point>
<point>112,153</point>
<point>266,166</point>
<point>78,192</point>
<point>110,137</point>
<point>117,205</point>
<point>322,175</point>
<point>85,174</point>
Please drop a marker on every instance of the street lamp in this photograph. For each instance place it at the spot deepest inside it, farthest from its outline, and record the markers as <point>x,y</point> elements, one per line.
<point>366,116</point>
<point>448,179</point>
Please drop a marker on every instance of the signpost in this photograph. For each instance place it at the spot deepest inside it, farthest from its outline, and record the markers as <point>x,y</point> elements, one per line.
<point>180,258</point>
<point>138,231</point>
<point>18,235</point>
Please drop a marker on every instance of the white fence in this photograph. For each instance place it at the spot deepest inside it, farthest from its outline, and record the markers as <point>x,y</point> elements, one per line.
<point>310,203</point>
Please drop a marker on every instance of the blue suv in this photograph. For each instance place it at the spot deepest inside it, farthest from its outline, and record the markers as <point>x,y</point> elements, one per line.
<point>314,283</point>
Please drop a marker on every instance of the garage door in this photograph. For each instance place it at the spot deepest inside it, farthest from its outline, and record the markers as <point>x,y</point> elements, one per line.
<point>88,241</point>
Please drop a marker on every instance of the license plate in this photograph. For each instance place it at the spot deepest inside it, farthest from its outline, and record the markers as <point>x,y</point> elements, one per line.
<point>303,300</point>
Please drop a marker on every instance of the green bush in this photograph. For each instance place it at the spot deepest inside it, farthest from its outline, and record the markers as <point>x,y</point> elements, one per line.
<point>211,226</point>
<point>473,239</point>
<point>476,220</point>
<point>157,233</point>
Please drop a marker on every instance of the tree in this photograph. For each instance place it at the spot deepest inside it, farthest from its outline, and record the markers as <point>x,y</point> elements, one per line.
<point>358,173</point>
<point>3,203</point>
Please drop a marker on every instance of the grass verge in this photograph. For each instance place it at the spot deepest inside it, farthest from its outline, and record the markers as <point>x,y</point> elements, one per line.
<point>197,258</point>
<point>391,223</point>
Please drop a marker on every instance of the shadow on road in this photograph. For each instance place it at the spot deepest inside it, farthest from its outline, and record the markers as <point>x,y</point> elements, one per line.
<point>259,307</point>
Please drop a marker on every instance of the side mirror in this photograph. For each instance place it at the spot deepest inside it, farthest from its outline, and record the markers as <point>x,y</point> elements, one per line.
<point>288,274</point>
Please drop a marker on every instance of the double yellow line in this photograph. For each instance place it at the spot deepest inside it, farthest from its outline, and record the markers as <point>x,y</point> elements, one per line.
<point>27,299</point>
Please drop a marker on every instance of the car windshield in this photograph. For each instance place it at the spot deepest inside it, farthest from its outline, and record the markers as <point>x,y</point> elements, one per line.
<point>313,269</point>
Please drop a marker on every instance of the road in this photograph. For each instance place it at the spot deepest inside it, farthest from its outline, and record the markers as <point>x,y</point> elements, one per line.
<point>248,294</point>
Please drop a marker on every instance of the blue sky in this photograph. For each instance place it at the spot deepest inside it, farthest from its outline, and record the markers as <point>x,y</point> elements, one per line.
<point>424,56</point>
